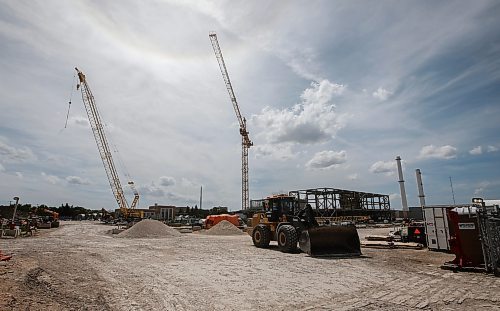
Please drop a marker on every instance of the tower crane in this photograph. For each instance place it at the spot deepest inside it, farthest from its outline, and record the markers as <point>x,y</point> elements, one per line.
<point>104,151</point>
<point>246,143</point>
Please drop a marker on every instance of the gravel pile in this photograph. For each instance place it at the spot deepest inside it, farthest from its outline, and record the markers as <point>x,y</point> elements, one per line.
<point>149,228</point>
<point>224,228</point>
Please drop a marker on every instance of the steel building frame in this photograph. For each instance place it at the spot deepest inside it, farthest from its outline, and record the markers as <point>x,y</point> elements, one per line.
<point>332,202</point>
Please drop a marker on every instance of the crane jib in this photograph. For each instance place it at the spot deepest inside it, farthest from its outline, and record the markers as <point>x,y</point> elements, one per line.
<point>103,147</point>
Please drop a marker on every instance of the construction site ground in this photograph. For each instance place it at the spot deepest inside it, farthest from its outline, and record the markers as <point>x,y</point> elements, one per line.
<point>80,266</point>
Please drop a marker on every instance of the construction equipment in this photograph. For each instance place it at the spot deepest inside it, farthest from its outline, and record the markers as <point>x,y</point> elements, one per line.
<point>285,221</point>
<point>104,151</point>
<point>53,219</point>
<point>106,216</point>
<point>246,143</point>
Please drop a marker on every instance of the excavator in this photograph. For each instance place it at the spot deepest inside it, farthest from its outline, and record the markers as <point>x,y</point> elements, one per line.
<point>48,219</point>
<point>284,220</point>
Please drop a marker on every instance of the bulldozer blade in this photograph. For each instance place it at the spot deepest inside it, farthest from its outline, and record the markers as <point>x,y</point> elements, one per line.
<point>335,241</point>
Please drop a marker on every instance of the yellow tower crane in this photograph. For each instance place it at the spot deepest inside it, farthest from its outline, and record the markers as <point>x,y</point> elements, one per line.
<point>104,151</point>
<point>246,143</point>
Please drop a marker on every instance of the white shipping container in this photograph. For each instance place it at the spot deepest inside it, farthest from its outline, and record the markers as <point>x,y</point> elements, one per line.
<point>436,227</point>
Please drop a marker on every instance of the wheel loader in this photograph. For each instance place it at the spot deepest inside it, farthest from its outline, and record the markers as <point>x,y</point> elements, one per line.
<point>285,221</point>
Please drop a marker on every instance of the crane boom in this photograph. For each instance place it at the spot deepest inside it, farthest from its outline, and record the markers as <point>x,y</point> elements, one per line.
<point>102,145</point>
<point>246,143</point>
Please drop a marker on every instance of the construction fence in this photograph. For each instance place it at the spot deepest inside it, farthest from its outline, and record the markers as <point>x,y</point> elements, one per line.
<point>489,226</point>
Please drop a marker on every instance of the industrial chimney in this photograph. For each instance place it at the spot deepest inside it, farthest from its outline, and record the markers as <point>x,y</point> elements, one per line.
<point>420,187</point>
<point>402,188</point>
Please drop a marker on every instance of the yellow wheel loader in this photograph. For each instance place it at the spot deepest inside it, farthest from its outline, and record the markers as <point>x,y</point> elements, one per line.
<point>284,221</point>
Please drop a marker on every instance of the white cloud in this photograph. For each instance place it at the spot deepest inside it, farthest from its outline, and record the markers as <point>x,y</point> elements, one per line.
<point>175,197</point>
<point>302,62</point>
<point>76,180</point>
<point>476,150</point>
<point>52,179</point>
<point>491,148</point>
<point>313,120</point>
<point>157,126</point>
<point>275,151</point>
<point>381,167</point>
<point>167,181</point>
<point>326,159</point>
<point>481,187</point>
<point>352,176</point>
<point>2,169</point>
<point>151,190</point>
<point>443,152</point>
<point>16,154</point>
<point>185,182</point>
<point>79,121</point>
<point>381,94</point>
<point>19,175</point>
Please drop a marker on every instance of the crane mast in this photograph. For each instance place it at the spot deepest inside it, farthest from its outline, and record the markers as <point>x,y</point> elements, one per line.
<point>246,143</point>
<point>102,145</point>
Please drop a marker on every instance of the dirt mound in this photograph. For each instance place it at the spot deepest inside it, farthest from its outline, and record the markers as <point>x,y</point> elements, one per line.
<point>149,228</point>
<point>224,228</point>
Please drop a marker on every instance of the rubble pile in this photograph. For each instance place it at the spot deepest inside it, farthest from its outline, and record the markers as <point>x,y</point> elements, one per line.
<point>224,228</point>
<point>149,228</point>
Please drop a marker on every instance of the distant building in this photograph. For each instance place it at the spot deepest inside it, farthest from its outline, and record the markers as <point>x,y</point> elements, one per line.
<point>163,212</point>
<point>149,214</point>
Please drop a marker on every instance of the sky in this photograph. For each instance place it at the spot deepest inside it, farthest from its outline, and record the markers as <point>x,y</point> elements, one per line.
<point>332,92</point>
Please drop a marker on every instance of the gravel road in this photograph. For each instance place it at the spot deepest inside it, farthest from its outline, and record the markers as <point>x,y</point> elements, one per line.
<point>79,266</point>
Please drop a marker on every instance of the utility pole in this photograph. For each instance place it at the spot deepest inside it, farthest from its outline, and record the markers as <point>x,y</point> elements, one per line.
<point>452,192</point>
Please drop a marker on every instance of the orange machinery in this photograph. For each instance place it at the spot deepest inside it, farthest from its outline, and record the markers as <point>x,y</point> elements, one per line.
<point>212,220</point>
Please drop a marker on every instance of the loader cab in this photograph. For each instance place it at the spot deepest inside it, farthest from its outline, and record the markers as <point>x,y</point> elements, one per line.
<point>278,206</point>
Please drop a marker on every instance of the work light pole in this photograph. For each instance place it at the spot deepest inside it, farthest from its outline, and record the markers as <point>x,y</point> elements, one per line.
<point>15,209</point>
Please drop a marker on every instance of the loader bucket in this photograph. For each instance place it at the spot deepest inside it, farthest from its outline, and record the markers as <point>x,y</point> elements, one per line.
<point>336,241</point>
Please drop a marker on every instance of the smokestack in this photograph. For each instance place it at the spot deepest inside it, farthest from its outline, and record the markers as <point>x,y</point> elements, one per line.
<point>402,188</point>
<point>201,195</point>
<point>420,187</point>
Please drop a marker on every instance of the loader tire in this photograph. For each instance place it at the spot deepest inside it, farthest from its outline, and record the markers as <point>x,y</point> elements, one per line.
<point>261,236</point>
<point>287,239</point>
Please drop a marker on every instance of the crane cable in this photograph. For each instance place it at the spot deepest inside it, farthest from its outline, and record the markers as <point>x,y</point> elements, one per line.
<point>124,169</point>
<point>70,99</point>
<point>121,163</point>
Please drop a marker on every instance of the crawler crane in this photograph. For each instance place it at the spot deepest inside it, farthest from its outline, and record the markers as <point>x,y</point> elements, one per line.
<point>104,151</point>
<point>246,143</point>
